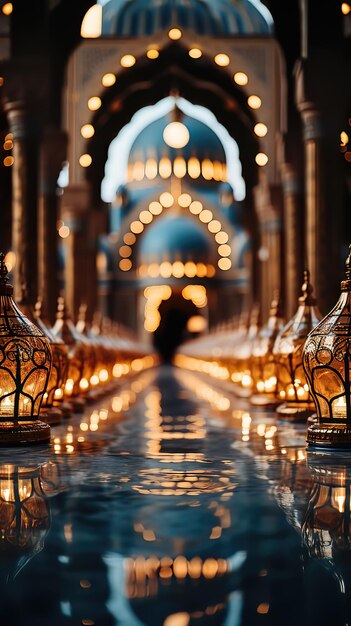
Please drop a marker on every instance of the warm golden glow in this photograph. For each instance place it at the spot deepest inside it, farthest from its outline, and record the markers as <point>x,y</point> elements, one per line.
<point>222,59</point>
<point>166,269</point>
<point>165,167</point>
<point>254,102</point>
<point>153,270</point>
<point>175,34</point>
<point>129,239</point>
<point>125,265</point>
<point>152,53</point>
<point>146,217</point>
<point>194,167</point>
<point>190,269</point>
<point>201,270</point>
<point>218,171</point>
<point>221,237</point>
<point>155,208</point>
<point>128,60</point>
<point>261,159</point>
<point>87,131</point>
<point>179,167</point>
<point>151,169</point>
<point>125,251</point>
<point>166,199</point>
<point>91,26</point>
<point>214,226</point>
<point>196,324</point>
<point>64,232</point>
<point>108,79</point>
<point>260,129</point>
<point>195,53</point>
<point>178,269</point>
<point>207,169</point>
<point>138,170</point>
<point>8,144</point>
<point>196,207</point>
<point>94,103</point>
<point>205,216</point>
<point>176,135</point>
<point>8,161</point>
<point>345,8</point>
<point>224,264</point>
<point>197,294</point>
<point>344,138</point>
<point>184,200</point>
<point>224,250</point>
<point>241,78</point>
<point>85,160</point>
<point>137,227</point>
<point>10,261</point>
<point>7,8</point>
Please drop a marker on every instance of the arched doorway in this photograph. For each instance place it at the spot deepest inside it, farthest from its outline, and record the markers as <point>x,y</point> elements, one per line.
<point>174,327</point>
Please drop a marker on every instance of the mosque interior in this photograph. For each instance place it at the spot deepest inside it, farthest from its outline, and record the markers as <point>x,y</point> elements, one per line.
<point>175,313</point>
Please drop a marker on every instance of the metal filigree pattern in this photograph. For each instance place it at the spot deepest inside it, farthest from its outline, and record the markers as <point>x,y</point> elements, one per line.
<point>326,361</point>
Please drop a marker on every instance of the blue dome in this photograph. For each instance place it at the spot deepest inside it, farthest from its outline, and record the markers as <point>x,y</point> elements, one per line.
<point>133,18</point>
<point>175,238</point>
<point>204,143</point>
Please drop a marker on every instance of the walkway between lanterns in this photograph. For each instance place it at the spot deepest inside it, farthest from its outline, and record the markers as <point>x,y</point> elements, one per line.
<point>166,504</point>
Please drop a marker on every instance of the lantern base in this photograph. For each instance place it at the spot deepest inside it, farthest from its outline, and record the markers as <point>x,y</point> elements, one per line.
<point>295,412</point>
<point>329,436</point>
<point>241,392</point>
<point>24,433</point>
<point>65,407</point>
<point>78,405</point>
<point>52,416</point>
<point>264,402</point>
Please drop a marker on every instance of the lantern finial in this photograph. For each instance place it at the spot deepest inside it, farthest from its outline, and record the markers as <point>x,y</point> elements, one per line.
<point>307,296</point>
<point>5,288</point>
<point>346,284</point>
<point>3,270</point>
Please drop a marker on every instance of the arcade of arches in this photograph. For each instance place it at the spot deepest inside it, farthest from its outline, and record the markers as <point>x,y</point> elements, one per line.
<point>172,172</point>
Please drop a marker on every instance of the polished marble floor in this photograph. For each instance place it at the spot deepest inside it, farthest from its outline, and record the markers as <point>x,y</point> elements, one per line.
<point>171,503</point>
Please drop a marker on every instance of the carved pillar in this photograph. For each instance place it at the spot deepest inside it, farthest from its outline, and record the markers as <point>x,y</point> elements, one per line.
<point>80,269</point>
<point>52,154</point>
<point>269,254</point>
<point>23,126</point>
<point>294,252</point>
<point>315,221</point>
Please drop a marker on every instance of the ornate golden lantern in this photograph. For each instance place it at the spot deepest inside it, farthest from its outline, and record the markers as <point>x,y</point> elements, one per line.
<point>292,386</point>
<point>65,329</point>
<point>326,360</point>
<point>241,364</point>
<point>263,366</point>
<point>25,511</point>
<point>53,399</point>
<point>327,524</point>
<point>25,363</point>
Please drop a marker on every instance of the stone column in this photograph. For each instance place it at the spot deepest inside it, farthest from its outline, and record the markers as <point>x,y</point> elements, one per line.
<point>80,248</point>
<point>294,249</point>
<point>315,221</point>
<point>269,253</point>
<point>52,155</point>
<point>23,126</point>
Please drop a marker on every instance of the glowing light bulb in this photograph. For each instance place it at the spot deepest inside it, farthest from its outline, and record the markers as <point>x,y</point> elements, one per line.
<point>254,102</point>
<point>222,59</point>
<point>128,60</point>
<point>175,34</point>
<point>260,129</point>
<point>87,131</point>
<point>176,135</point>
<point>241,78</point>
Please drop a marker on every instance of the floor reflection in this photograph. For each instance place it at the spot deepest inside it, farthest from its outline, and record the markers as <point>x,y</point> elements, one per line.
<point>172,505</point>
